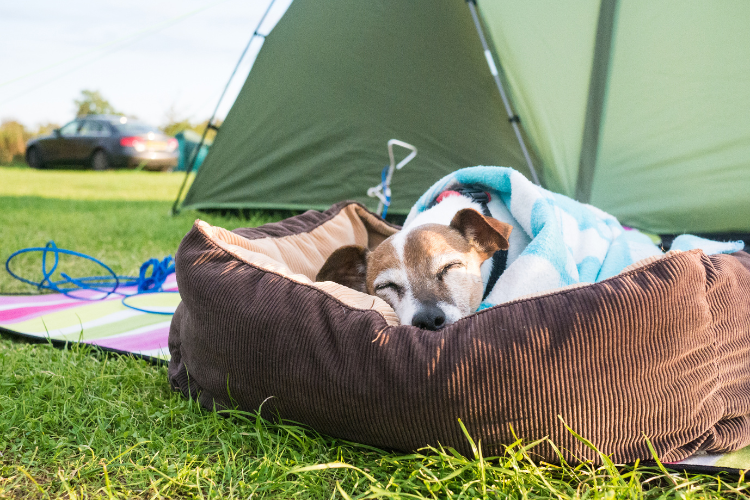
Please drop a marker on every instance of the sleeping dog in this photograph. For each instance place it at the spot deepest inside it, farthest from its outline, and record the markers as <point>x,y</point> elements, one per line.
<point>440,266</point>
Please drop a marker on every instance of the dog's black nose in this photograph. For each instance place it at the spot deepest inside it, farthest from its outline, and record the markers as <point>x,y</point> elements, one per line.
<point>429,318</point>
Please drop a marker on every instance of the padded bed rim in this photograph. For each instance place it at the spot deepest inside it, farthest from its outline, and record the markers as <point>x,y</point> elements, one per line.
<point>518,363</point>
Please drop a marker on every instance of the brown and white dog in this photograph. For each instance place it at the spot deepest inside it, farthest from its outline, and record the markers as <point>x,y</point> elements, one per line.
<point>431,272</point>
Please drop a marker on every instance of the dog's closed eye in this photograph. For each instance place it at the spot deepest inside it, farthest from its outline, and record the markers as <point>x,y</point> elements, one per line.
<point>389,285</point>
<point>447,267</point>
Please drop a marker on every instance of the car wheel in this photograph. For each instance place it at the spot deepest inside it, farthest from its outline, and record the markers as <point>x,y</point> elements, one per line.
<point>100,160</point>
<point>34,158</point>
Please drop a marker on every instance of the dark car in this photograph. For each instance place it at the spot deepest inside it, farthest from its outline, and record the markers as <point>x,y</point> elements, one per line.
<point>103,142</point>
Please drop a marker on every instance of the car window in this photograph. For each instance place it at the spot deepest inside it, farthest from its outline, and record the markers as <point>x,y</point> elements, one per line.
<point>134,128</point>
<point>70,129</point>
<point>93,128</point>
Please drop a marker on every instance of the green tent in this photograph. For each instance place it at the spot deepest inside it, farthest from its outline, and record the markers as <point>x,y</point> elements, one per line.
<point>641,108</point>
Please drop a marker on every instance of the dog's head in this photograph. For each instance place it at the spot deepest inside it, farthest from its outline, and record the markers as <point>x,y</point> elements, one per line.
<point>429,274</point>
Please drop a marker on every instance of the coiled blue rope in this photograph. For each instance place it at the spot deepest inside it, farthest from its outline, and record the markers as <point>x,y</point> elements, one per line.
<point>108,284</point>
<point>160,269</point>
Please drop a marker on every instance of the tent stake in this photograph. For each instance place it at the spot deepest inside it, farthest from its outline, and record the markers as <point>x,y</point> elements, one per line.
<point>383,190</point>
<point>210,124</point>
<point>512,117</point>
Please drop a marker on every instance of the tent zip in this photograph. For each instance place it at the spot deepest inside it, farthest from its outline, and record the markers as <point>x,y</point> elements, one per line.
<point>512,117</point>
<point>210,125</point>
<point>597,95</point>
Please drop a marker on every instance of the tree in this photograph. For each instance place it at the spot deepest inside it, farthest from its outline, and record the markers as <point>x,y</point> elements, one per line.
<point>176,123</point>
<point>93,103</point>
<point>13,137</point>
<point>45,129</point>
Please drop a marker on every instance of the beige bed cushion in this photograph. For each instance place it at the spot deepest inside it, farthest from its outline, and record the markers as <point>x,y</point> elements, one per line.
<point>300,256</point>
<point>304,253</point>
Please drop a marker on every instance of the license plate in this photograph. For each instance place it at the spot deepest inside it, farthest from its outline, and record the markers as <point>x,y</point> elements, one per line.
<point>156,145</point>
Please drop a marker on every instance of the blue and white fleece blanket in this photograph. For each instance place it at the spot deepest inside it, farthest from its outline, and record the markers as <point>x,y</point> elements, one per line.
<point>570,242</point>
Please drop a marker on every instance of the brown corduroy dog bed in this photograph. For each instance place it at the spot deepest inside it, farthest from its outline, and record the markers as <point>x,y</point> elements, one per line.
<point>660,351</point>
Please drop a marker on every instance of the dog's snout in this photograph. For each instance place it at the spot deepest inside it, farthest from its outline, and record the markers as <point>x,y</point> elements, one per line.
<point>429,318</point>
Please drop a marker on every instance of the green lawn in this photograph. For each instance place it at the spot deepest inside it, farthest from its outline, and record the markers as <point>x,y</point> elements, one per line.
<point>123,185</point>
<point>77,423</point>
<point>121,218</point>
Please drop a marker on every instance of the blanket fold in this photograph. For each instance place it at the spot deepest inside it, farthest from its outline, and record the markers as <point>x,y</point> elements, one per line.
<point>571,242</point>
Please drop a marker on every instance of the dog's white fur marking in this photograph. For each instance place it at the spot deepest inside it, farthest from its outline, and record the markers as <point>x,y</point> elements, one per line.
<point>398,241</point>
<point>443,212</point>
<point>451,311</point>
<point>407,307</point>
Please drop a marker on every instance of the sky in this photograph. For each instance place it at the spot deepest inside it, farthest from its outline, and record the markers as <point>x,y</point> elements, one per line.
<point>153,59</point>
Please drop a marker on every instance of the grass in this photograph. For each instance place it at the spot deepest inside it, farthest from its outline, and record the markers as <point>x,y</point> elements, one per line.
<point>123,185</point>
<point>121,218</point>
<point>78,423</point>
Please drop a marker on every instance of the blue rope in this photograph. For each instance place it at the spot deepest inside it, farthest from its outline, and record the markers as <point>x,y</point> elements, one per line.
<point>145,310</point>
<point>145,282</point>
<point>386,191</point>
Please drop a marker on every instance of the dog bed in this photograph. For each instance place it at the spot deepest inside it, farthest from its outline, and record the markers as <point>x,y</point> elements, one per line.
<point>659,351</point>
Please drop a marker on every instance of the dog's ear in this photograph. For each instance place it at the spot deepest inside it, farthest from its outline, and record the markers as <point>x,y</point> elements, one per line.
<point>486,234</point>
<point>346,266</point>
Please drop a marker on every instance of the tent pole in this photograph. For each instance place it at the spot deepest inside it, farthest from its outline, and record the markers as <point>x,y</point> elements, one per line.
<point>210,124</point>
<point>595,104</point>
<point>512,117</point>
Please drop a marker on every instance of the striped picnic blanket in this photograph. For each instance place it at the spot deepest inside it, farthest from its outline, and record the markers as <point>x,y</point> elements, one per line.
<point>106,323</point>
<point>739,459</point>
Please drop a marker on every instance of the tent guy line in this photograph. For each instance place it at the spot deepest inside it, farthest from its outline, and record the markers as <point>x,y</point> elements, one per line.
<point>210,125</point>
